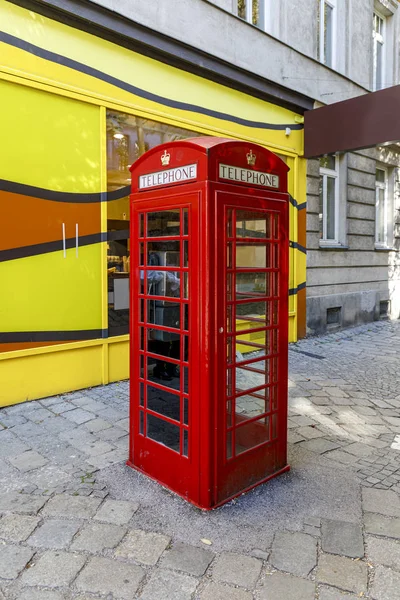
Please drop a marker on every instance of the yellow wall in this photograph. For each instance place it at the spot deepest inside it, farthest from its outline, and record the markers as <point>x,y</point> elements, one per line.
<point>55,84</point>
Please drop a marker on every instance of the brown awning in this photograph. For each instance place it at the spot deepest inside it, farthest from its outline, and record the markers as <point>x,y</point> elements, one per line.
<point>361,122</point>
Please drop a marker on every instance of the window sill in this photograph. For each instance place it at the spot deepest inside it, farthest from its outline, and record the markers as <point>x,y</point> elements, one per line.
<point>331,245</point>
<point>384,248</point>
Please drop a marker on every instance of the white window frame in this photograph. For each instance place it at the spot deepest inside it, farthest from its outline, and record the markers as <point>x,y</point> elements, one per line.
<point>378,38</point>
<point>265,11</point>
<point>321,49</point>
<point>382,186</point>
<point>334,174</point>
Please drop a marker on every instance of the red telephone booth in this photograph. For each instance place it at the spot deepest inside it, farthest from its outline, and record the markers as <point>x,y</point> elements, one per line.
<point>209,317</point>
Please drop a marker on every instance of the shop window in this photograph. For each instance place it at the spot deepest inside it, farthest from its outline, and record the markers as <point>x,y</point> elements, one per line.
<point>329,200</point>
<point>381,208</point>
<point>326,32</point>
<point>128,137</point>
<point>378,37</point>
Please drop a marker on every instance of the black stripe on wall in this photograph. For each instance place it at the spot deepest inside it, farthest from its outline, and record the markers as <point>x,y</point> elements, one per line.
<point>132,89</point>
<point>46,247</point>
<point>52,336</point>
<point>293,291</point>
<point>44,194</point>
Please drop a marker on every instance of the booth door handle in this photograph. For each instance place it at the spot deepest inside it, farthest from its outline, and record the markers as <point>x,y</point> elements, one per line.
<point>221,330</point>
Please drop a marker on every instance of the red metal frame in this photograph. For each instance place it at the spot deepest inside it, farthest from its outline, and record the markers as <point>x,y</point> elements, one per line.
<point>207,476</point>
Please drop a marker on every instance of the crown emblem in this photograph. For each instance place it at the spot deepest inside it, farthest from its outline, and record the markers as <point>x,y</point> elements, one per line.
<point>251,158</point>
<point>165,158</point>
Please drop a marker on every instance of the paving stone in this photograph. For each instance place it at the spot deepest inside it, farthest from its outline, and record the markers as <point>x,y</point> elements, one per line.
<point>342,457</point>
<point>97,425</point>
<point>28,461</point>
<point>97,447</point>
<point>279,586</point>
<point>118,512</point>
<point>261,554</point>
<point>165,584</point>
<point>10,445</point>
<point>12,560</point>
<point>341,572</point>
<point>31,594</point>
<point>106,576</point>
<point>54,569</point>
<point>237,569</point>
<point>145,547</point>
<point>190,559</point>
<point>217,591</point>
<point>386,584</point>
<point>65,505</point>
<point>20,503</point>
<point>358,449</point>
<point>78,416</point>
<point>54,534</point>
<point>309,432</point>
<point>340,537</point>
<point>381,525</point>
<point>295,553</point>
<point>332,594</point>
<point>98,536</point>
<point>381,501</point>
<point>320,445</point>
<point>17,528</point>
<point>383,552</point>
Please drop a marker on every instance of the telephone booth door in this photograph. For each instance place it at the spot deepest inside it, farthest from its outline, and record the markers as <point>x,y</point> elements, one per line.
<point>252,349</point>
<point>164,292</point>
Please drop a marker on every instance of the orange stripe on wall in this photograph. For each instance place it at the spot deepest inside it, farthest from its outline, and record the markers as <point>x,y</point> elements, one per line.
<point>26,221</point>
<point>26,345</point>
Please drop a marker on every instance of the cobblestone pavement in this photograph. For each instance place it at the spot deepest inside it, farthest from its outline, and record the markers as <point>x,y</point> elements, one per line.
<point>76,523</point>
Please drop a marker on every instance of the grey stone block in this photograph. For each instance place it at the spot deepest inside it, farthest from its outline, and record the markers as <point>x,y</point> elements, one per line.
<point>217,591</point>
<point>358,449</point>
<point>97,425</point>
<point>54,534</point>
<point>320,445</point>
<point>10,445</point>
<point>279,586</point>
<point>117,512</point>
<point>97,447</point>
<point>383,552</point>
<point>386,584</point>
<point>98,536</point>
<point>72,506</point>
<point>174,586</point>
<point>78,416</point>
<point>339,537</point>
<point>261,554</point>
<point>295,553</point>
<point>342,457</point>
<point>21,503</point>
<point>344,573</point>
<point>189,559</point>
<point>145,547</point>
<point>54,569</point>
<point>12,560</point>
<point>31,594</point>
<point>381,525</point>
<point>106,576</point>
<point>381,501</point>
<point>28,461</point>
<point>332,594</point>
<point>237,569</point>
<point>16,528</point>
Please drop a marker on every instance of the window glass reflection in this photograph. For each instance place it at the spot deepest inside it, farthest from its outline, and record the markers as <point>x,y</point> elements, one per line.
<point>163,432</point>
<point>252,224</point>
<point>252,434</point>
<point>163,402</point>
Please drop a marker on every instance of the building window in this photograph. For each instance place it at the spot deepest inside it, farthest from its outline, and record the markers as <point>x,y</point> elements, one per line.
<point>329,200</point>
<point>381,208</point>
<point>252,11</point>
<point>327,32</point>
<point>378,37</point>
<point>128,137</point>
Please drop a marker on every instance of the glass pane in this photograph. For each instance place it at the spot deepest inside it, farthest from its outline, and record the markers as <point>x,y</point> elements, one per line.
<point>163,432</point>
<point>247,378</point>
<point>251,224</point>
<point>163,313</point>
<point>185,221</point>
<point>252,315</point>
<point>378,71</point>
<point>186,411</point>
<point>185,449</point>
<point>380,175</point>
<point>251,405</point>
<point>141,422</point>
<point>251,342</point>
<point>163,283</point>
<point>252,256</point>
<point>163,254</point>
<point>381,216</point>
<point>164,372</point>
<point>256,12</point>
<point>328,35</point>
<point>141,394</point>
<point>251,435</point>
<point>321,207</point>
<point>163,223</point>
<point>274,426</point>
<point>229,444</point>
<point>141,225</point>
<point>328,162</point>
<point>251,285</point>
<point>242,9</point>
<point>330,209</point>
<point>164,403</point>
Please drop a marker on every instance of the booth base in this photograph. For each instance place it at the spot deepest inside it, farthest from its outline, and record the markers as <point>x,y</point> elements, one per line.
<point>219,504</point>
